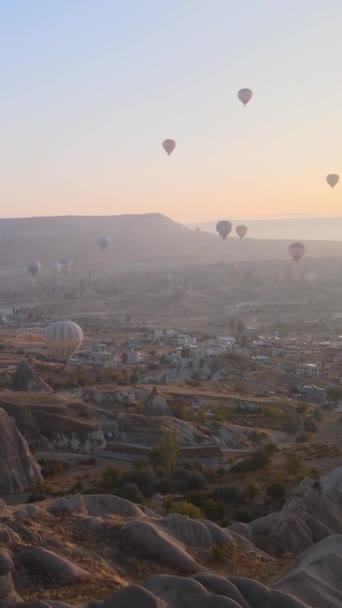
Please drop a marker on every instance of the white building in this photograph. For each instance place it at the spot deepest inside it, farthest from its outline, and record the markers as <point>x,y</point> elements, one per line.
<point>158,335</point>
<point>312,370</point>
<point>134,357</point>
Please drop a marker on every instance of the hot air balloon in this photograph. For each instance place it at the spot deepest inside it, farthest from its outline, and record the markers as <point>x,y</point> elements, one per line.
<point>223,228</point>
<point>63,339</point>
<point>55,267</point>
<point>296,251</point>
<point>104,241</point>
<point>65,264</point>
<point>33,268</point>
<point>245,95</point>
<point>332,179</point>
<point>169,145</point>
<point>241,231</point>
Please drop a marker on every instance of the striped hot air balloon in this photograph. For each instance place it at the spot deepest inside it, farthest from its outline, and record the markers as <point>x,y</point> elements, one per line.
<point>63,339</point>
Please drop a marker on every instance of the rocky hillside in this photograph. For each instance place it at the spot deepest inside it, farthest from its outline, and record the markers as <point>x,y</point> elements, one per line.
<point>106,551</point>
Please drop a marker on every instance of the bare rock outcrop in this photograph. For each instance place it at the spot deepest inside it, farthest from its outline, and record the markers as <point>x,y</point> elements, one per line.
<point>155,405</point>
<point>19,470</point>
<point>317,578</point>
<point>150,541</point>
<point>26,379</point>
<point>52,567</point>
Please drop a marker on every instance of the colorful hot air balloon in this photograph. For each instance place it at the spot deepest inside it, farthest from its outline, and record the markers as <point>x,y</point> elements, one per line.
<point>63,339</point>
<point>241,231</point>
<point>169,145</point>
<point>245,95</point>
<point>332,179</point>
<point>33,268</point>
<point>296,251</point>
<point>104,241</point>
<point>223,227</point>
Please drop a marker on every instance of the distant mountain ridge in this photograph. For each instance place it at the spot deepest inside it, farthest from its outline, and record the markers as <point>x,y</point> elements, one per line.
<point>148,239</point>
<point>311,228</point>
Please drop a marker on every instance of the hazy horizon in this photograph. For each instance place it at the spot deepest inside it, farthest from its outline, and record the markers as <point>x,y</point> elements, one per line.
<point>91,90</point>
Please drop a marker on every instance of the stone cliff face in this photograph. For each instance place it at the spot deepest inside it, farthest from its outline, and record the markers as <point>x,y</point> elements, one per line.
<point>54,422</point>
<point>19,471</point>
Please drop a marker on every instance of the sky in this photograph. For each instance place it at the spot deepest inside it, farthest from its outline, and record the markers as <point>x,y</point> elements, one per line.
<point>90,89</point>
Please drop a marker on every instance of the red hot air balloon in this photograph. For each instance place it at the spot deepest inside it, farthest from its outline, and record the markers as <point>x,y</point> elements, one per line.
<point>169,145</point>
<point>241,231</point>
<point>245,95</point>
<point>332,179</point>
<point>296,251</point>
<point>223,228</point>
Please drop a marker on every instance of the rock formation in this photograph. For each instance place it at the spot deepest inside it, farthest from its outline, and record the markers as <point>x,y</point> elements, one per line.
<point>155,405</point>
<point>18,469</point>
<point>26,379</point>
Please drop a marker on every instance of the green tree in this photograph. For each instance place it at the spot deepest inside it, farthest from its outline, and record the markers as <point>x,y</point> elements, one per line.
<point>335,393</point>
<point>164,454</point>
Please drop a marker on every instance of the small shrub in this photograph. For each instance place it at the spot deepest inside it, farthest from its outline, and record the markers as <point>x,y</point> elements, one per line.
<point>215,510</point>
<point>276,490</point>
<point>51,468</point>
<point>36,496</point>
<point>130,491</point>
<point>186,508</point>
<point>228,494</point>
<point>144,479</point>
<point>244,516</point>
<point>184,480</point>
<point>110,476</point>
<point>293,463</point>
<point>251,490</point>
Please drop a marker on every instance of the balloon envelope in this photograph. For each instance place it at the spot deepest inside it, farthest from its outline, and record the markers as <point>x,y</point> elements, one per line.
<point>104,241</point>
<point>296,251</point>
<point>223,228</point>
<point>169,145</point>
<point>241,231</point>
<point>332,179</point>
<point>63,339</point>
<point>245,95</point>
<point>55,267</point>
<point>33,268</point>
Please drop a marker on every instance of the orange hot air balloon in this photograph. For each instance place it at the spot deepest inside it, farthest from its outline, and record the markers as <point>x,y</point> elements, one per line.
<point>223,227</point>
<point>296,251</point>
<point>169,145</point>
<point>245,95</point>
<point>241,231</point>
<point>332,179</point>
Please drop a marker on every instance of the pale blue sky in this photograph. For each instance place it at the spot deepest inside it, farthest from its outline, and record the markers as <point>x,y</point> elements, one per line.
<point>91,88</point>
